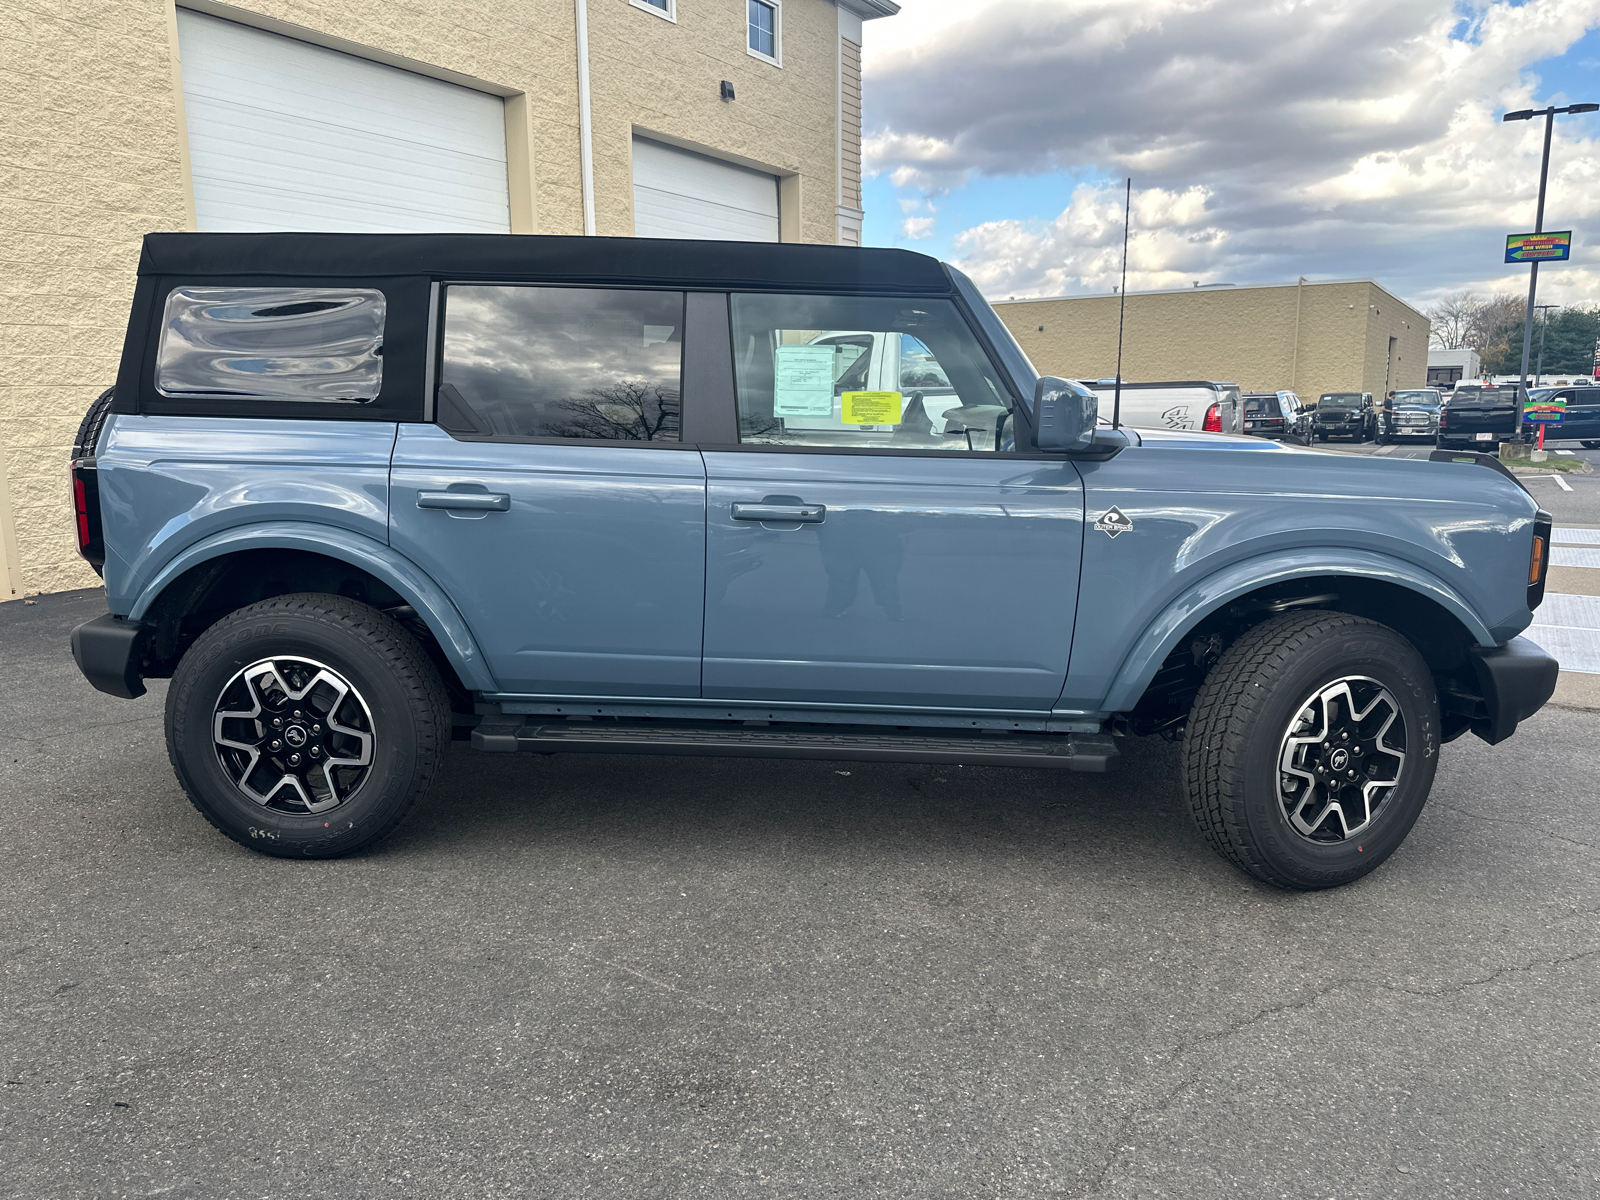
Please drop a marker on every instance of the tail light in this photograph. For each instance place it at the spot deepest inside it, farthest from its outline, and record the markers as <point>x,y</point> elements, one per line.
<point>1213,423</point>
<point>86,511</point>
<point>1444,417</point>
<point>1539,558</point>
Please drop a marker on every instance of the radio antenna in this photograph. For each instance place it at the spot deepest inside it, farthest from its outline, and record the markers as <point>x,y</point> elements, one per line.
<point>1122,306</point>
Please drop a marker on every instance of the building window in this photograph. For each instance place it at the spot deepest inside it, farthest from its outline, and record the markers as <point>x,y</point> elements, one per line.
<point>661,8</point>
<point>764,30</point>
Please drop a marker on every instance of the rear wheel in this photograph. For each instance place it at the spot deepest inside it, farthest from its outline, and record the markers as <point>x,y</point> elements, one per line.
<point>1311,749</point>
<point>1591,445</point>
<point>306,726</point>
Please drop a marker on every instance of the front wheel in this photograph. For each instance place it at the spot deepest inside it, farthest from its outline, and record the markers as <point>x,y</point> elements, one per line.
<point>1591,445</point>
<point>1311,748</point>
<point>306,726</point>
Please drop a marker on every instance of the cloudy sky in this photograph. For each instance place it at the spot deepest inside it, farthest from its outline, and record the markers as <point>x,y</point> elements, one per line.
<point>1266,139</point>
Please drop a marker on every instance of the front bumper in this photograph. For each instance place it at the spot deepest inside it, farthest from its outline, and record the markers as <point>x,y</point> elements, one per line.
<point>108,650</point>
<point>1516,680</point>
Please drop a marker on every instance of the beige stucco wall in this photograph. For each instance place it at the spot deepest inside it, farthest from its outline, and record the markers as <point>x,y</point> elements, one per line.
<point>94,156</point>
<point>1337,340</point>
<point>658,78</point>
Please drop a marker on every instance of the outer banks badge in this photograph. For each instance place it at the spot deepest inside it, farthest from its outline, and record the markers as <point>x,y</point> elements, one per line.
<point>1114,522</point>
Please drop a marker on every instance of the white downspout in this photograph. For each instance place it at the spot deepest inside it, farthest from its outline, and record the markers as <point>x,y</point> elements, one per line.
<point>585,136</point>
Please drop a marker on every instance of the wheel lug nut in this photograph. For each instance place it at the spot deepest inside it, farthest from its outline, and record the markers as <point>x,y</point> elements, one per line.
<point>294,760</point>
<point>316,752</point>
<point>1352,774</point>
<point>276,744</point>
<point>316,729</point>
<point>297,717</point>
<point>1345,735</point>
<point>276,723</point>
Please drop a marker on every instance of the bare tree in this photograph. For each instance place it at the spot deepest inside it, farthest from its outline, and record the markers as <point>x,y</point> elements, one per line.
<point>1450,320</point>
<point>1496,333</point>
<point>631,411</point>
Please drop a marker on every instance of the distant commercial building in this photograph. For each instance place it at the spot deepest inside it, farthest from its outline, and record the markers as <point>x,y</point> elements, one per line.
<point>1336,336</point>
<point>1448,367</point>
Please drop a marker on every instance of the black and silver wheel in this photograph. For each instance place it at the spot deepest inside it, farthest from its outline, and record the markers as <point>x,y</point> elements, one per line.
<point>306,725</point>
<point>1311,748</point>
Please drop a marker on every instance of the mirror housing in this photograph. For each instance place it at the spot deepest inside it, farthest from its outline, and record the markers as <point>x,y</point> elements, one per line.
<point>1065,414</point>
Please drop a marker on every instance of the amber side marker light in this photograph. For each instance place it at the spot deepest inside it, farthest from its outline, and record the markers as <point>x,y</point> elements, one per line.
<point>1536,561</point>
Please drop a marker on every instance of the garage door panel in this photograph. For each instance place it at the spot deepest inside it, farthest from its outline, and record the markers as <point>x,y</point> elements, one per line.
<point>284,135</point>
<point>681,194</point>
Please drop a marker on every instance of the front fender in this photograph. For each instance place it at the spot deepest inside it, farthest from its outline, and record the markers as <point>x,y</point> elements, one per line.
<point>1161,635</point>
<point>405,577</point>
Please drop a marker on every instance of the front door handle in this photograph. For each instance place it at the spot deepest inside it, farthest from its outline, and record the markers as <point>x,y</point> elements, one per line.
<point>779,512</point>
<point>470,501</point>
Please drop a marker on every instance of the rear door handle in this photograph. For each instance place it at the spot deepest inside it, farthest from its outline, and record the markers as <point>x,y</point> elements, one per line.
<point>779,512</point>
<point>471,501</point>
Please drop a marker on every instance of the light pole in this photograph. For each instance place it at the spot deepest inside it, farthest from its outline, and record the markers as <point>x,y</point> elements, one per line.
<point>1549,115</point>
<point>1544,324</point>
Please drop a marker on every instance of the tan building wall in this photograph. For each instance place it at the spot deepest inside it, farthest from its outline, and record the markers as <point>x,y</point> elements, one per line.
<point>1309,338</point>
<point>96,155</point>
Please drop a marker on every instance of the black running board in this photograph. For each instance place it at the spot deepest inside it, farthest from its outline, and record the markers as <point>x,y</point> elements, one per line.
<point>1095,752</point>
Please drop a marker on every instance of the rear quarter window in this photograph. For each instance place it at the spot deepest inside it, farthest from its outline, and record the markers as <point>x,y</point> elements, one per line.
<point>309,344</point>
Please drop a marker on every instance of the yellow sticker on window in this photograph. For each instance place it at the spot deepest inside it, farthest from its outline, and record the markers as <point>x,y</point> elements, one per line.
<point>871,408</point>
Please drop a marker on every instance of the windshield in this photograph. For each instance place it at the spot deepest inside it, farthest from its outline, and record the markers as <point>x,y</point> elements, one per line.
<point>1427,398</point>
<point>1340,400</point>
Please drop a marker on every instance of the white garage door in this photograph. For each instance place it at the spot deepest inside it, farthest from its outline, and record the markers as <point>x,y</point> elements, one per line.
<point>290,136</point>
<point>679,194</point>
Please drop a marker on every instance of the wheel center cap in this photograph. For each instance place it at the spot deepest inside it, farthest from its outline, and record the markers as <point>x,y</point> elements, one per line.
<point>1338,760</point>
<point>297,736</point>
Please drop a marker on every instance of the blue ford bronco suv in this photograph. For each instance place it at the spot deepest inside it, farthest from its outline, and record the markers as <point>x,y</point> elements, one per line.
<point>359,494</point>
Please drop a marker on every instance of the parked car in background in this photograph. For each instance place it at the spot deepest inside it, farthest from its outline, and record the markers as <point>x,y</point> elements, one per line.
<point>1409,414</point>
<point>1345,414</point>
<point>359,495</point>
<point>1199,405</point>
<point>1277,415</point>
<point>1582,420</point>
<point>1480,416</point>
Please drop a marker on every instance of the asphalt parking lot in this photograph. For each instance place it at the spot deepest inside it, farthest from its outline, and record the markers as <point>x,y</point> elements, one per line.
<point>651,977</point>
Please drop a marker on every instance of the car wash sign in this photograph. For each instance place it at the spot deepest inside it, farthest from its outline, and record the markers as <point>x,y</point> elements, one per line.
<point>1550,411</point>
<point>1539,247</point>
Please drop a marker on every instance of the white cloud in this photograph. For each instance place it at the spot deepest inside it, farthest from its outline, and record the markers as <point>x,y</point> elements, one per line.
<point>917,228</point>
<point>1266,140</point>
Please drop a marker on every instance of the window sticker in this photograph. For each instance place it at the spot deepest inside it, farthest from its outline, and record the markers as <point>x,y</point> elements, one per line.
<point>803,383</point>
<point>871,408</point>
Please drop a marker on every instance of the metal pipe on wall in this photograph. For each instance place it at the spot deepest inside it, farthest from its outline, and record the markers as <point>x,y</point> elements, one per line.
<point>585,135</point>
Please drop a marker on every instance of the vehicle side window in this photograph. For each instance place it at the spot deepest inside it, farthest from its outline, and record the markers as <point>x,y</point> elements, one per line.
<point>323,345</point>
<point>549,362</point>
<point>865,372</point>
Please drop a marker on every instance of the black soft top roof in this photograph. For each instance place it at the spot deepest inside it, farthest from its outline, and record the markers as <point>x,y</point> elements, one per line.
<point>655,261</point>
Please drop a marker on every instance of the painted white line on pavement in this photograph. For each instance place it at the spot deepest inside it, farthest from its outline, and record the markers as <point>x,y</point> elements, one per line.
<point>1569,628</point>
<point>1574,556</point>
<point>1384,450</point>
<point>1582,537</point>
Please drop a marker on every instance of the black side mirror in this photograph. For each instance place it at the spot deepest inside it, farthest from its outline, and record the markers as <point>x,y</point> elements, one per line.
<point>1064,414</point>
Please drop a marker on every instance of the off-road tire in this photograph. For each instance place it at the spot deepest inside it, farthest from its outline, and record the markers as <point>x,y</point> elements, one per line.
<point>1237,728</point>
<point>93,422</point>
<point>390,672</point>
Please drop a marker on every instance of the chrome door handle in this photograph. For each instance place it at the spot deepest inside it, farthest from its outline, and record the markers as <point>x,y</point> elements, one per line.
<point>779,512</point>
<point>471,501</point>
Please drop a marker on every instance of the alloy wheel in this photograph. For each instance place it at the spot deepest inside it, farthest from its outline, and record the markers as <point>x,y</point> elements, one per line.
<point>293,735</point>
<point>1341,759</point>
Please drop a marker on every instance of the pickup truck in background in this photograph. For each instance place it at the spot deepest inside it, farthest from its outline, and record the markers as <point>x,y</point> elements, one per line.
<point>1199,405</point>
<point>1482,415</point>
<point>359,494</point>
